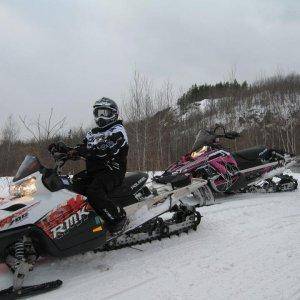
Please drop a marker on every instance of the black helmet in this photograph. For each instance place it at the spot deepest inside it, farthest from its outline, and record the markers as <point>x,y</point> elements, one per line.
<point>105,112</point>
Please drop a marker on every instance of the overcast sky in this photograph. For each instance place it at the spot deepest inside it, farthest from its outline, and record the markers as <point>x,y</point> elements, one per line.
<point>66,53</point>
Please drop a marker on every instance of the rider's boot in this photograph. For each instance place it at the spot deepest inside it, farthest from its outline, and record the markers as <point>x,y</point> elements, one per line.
<point>115,219</point>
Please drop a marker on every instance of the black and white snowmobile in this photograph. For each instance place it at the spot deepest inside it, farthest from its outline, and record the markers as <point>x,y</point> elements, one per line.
<point>44,217</point>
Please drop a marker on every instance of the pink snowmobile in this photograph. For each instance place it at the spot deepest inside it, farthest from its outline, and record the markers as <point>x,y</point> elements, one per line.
<point>247,170</point>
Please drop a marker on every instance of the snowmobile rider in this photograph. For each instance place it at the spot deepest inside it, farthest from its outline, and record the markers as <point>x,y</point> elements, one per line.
<point>105,149</point>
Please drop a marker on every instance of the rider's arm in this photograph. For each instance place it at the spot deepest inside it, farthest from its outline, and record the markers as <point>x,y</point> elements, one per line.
<point>111,146</point>
<point>117,140</point>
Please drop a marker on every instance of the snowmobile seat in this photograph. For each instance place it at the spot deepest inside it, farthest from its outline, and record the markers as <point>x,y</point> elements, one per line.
<point>132,183</point>
<point>248,158</point>
<point>176,180</point>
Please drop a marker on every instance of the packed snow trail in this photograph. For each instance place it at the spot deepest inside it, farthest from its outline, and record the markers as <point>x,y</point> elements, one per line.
<point>246,248</point>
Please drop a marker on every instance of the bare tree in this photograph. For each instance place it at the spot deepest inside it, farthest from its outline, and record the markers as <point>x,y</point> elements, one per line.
<point>43,129</point>
<point>10,134</point>
<point>11,130</point>
<point>138,109</point>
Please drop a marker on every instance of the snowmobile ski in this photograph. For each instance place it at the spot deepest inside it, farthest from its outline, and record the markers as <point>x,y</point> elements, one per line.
<point>31,290</point>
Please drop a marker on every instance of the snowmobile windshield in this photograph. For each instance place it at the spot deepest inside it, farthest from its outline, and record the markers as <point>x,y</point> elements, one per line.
<point>203,138</point>
<point>29,166</point>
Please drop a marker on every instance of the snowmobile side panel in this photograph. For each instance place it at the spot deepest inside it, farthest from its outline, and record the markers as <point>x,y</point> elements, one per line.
<point>71,226</point>
<point>46,245</point>
<point>50,247</point>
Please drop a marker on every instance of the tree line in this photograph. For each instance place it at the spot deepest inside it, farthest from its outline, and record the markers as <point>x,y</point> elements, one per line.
<point>161,127</point>
<point>210,91</point>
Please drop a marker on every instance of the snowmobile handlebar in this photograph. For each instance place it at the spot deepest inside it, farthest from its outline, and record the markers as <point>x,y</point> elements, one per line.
<point>58,147</point>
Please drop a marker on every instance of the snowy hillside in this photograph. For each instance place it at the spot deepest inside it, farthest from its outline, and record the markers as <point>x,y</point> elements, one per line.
<point>240,113</point>
<point>247,247</point>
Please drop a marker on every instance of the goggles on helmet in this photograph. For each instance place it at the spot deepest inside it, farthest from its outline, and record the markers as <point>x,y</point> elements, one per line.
<point>104,112</point>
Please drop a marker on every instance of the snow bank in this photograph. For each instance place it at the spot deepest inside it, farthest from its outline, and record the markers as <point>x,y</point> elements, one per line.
<point>4,190</point>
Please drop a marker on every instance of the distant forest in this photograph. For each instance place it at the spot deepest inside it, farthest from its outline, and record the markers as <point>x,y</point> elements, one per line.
<point>211,91</point>
<point>161,128</point>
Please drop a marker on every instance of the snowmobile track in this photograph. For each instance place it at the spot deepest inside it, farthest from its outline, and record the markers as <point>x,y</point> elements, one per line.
<point>155,230</point>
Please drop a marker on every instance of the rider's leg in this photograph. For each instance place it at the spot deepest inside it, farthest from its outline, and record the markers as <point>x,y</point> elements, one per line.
<point>97,193</point>
<point>80,182</point>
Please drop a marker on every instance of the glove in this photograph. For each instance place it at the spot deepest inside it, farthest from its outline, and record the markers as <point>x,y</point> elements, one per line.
<point>58,147</point>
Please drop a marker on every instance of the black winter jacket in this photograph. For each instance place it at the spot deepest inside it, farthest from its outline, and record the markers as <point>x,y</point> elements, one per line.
<point>105,149</point>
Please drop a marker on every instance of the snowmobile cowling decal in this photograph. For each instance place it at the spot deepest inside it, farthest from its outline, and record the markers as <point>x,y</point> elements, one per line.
<point>7,222</point>
<point>59,221</point>
<point>15,218</point>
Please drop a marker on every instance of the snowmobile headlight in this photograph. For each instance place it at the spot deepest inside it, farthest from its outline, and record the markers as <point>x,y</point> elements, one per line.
<point>25,188</point>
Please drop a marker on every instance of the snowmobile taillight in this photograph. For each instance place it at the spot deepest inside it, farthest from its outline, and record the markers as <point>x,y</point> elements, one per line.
<point>25,188</point>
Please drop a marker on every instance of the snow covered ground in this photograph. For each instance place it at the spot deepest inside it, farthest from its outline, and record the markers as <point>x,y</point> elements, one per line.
<point>247,247</point>
<point>4,190</point>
